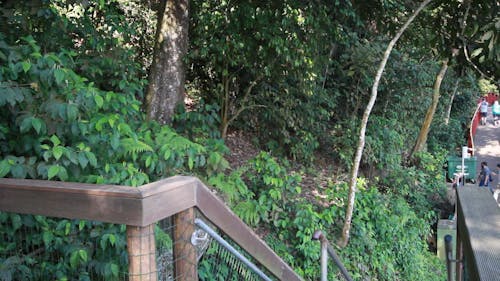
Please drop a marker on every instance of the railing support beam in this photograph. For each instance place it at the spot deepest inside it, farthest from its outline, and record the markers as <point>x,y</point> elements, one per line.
<point>141,253</point>
<point>185,261</point>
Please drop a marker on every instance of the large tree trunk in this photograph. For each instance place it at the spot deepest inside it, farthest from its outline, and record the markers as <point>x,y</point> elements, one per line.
<point>424,131</point>
<point>166,80</point>
<point>361,141</point>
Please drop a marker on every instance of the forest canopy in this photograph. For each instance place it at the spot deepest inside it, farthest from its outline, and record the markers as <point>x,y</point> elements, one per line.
<point>285,82</point>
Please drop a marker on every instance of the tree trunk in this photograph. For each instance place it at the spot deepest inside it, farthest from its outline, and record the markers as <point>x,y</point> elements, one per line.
<point>424,131</point>
<point>166,80</point>
<point>361,141</point>
<point>448,111</point>
<point>226,120</point>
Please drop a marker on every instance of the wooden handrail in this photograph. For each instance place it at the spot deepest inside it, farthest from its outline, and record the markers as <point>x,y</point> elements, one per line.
<point>140,206</point>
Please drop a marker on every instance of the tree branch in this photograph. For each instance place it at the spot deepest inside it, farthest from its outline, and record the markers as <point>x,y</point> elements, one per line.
<point>361,141</point>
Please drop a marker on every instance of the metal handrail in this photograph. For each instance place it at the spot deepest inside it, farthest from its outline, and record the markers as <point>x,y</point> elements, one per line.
<point>449,253</point>
<point>201,224</point>
<point>326,248</point>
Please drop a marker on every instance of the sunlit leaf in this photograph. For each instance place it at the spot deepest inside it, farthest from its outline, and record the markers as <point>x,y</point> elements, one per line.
<point>26,66</point>
<point>52,172</point>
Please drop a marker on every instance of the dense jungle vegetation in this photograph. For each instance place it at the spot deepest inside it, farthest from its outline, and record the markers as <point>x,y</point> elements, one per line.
<point>292,78</point>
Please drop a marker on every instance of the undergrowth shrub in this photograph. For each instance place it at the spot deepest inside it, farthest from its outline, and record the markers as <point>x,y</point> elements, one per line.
<point>389,235</point>
<point>57,125</point>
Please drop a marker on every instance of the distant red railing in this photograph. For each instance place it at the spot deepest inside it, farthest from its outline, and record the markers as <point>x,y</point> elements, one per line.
<point>490,98</point>
<point>473,128</point>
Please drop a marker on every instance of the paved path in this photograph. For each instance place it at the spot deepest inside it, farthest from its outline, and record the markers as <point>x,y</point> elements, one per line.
<point>487,145</point>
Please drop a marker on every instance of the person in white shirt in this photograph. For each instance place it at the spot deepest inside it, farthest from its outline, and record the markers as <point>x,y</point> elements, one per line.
<point>483,108</point>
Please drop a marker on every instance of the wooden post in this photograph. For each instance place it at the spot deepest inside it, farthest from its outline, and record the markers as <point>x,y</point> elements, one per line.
<point>141,253</point>
<point>185,262</point>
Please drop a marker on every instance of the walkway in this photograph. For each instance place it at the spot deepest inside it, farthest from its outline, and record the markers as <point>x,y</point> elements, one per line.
<point>478,217</point>
<point>487,145</point>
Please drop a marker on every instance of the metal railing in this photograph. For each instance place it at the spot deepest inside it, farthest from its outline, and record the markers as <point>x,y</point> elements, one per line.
<point>144,210</point>
<point>478,235</point>
<point>327,249</point>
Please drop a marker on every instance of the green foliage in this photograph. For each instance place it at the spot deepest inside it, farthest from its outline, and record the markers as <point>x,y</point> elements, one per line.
<point>262,67</point>
<point>201,123</point>
<point>388,240</point>
<point>61,249</point>
<point>390,229</point>
<point>57,125</point>
<point>72,74</point>
<point>487,86</point>
<point>385,145</point>
<point>422,186</point>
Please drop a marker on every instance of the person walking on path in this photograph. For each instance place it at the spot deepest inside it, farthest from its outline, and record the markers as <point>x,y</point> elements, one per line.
<point>484,177</point>
<point>496,113</point>
<point>483,108</point>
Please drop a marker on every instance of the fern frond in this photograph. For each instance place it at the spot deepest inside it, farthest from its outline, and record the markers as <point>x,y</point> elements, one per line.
<point>133,146</point>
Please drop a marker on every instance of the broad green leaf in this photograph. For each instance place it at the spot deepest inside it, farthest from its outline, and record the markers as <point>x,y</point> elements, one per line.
<point>81,225</point>
<point>83,255</point>
<point>53,170</point>
<point>99,101</point>
<point>16,221</point>
<point>114,269</point>
<point>115,141</point>
<point>55,140</point>
<point>67,228</point>
<point>59,75</point>
<point>37,124</point>
<point>47,237</point>
<point>190,163</point>
<point>62,174</point>
<point>112,239</point>
<point>73,260</point>
<point>58,152</point>
<point>91,157</point>
<point>167,154</point>
<point>45,146</point>
<point>26,66</point>
<point>4,168</point>
<point>71,112</point>
<point>18,171</point>
<point>25,124</point>
<point>104,238</point>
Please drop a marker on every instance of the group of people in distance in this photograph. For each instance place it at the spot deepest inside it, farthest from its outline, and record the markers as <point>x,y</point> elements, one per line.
<point>495,109</point>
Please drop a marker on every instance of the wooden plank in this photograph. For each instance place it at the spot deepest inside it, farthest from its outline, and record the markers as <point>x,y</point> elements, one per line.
<point>71,187</point>
<point>165,185</point>
<point>169,197</point>
<point>111,209</point>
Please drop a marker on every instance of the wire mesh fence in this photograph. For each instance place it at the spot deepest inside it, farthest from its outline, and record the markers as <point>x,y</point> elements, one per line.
<point>211,259</point>
<point>45,248</point>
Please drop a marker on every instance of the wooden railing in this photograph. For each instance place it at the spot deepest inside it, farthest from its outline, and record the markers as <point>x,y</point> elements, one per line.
<point>140,208</point>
